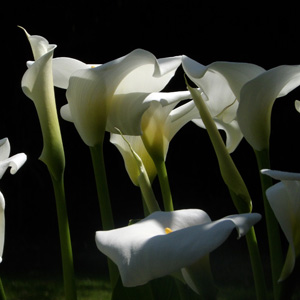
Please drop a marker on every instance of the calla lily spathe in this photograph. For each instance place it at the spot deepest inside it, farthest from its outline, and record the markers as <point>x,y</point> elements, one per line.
<point>14,162</point>
<point>284,199</point>
<point>37,84</point>
<point>143,251</point>
<point>256,101</point>
<point>112,95</point>
<point>220,83</point>
<point>160,122</point>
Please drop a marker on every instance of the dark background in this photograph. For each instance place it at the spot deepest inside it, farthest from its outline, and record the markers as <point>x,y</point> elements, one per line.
<point>97,32</point>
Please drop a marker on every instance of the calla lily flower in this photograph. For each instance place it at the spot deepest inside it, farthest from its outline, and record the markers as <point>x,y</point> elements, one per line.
<point>257,99</point>
<point>220,83</point>
<point>111,95</point>
<point>160,123</point>
<point>37,84</point>
<point>14,162</point>
<point>166,242</point>
<point>284,199</point>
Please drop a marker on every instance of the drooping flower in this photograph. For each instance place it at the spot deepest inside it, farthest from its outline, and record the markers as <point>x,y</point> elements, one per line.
<point>284,199</point>
<point>220,83</point>
<point>257,99</point>
<point>14,162</point>
<point>111,95</point>
<point>160,122</point>
<point>166,242</point>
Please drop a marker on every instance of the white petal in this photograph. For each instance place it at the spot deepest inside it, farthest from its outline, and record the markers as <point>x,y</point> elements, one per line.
<point>257,99</point>
<point>66,113</point>
<point>39,45</point>
<point>99,96</point>
<point>14,162</point>
<point>143,251</point>
<point>63,68</point>
<point>281,175</point>
<point>4,149</point>
<point>284,201</point>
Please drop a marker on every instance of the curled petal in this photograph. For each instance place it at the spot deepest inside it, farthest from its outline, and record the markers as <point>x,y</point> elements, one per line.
<point>14,162</point>
<point>257,99</point>
<point>144,251</point>
<point>39,45</point>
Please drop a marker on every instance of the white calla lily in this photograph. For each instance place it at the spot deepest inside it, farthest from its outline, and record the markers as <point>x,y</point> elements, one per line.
<point>257,99</point>
<point>144,251</point>
<point>284,199</point>
<point>111,95</point>
<point>14,162</point>
<point>37,84</point>
<point>221,83</point>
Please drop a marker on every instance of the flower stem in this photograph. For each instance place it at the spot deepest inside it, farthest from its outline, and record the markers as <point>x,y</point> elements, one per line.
<point>2,292</point>
<point>65,240</point>
<point>164,184</point>
<point>236,186</point>
<point>257,269</point>
<point>275,249</point>
<point>104,201</point>
<point>255,259</point>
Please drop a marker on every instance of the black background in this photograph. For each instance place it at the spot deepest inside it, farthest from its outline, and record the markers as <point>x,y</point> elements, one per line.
<point>97,32</point>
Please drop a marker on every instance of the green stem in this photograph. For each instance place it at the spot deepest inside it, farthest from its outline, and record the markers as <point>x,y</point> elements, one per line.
<point>104,201</point>
<point>237,188</point>
<point>147,194</point>
<point>65,240</point>
<point>256,263</point>
<point>255,259</point>
<point>273,231</point>
<point>2,292</point>
<point>164,184</point>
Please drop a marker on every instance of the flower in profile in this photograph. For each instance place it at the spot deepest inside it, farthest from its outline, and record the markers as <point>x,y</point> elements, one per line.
<point>37,85</point>
<point>284,199</point>
<point>166,242</point>
<point>220,84</point>
<point>111,95</point>
<point>257,99</point>
<point>14,162</point>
